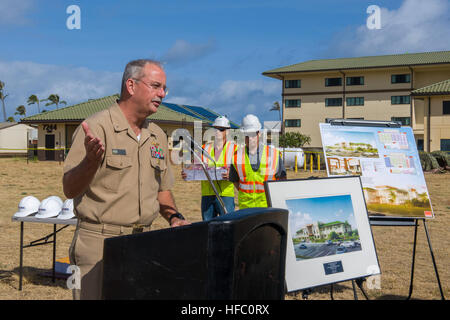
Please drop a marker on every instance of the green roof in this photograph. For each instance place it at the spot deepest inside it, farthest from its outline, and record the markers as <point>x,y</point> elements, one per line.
<point>395,60</point>
<point>81,111</point>
<point>438,88</point>
<point>329,224</point>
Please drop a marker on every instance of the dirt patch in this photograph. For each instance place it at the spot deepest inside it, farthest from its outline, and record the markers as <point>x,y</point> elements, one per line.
<point>43,179</point>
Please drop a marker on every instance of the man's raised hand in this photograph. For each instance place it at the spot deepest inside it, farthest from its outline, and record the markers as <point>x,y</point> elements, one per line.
<point>94,146</point>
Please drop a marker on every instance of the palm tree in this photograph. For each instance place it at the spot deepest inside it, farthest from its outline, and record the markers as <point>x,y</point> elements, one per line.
<point>294,140</point>
<point>54,99</point>
<point>392,196</point>
<point>276,107</point>
<point>3,97</point>
<point>20,110</point>
<point>33,99</point>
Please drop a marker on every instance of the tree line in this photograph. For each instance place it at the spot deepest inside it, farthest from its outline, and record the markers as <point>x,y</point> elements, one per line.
<point>53,99</point>
<point>290,139</point>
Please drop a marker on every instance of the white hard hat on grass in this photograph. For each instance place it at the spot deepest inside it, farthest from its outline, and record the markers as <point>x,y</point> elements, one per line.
<point>222,122</point>
<point>67,210</point>
<point>50,207</point>
<point>250,124</point>
<point>27,206</point>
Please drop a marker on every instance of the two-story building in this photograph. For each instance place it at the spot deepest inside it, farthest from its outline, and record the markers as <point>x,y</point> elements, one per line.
<point>319,230</point>
<point>404,87</point>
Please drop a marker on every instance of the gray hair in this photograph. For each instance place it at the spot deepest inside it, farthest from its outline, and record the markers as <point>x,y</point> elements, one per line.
<point>134,68</point>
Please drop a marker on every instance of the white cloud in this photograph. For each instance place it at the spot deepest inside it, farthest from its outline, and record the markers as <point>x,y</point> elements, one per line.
<point>15,12</point>
<point>330,139</point>
<point>339,213</point>
<point>183,52</point>
<point>233,98</point>
<point>231,89</point>
<point>417,26</point>
<point>299,220</point>
<point>72,84</point>
<point>351,219</point>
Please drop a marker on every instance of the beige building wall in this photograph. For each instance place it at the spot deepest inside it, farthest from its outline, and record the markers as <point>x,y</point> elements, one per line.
<point>48,129</point>
<point>62,143</point>
<point>312,112</point>
<point>13,139</point>
<point>424,76</point>
<point>377,91</point>
<point>374,79</point>
<point>439,123</point>
<point>378,79</point>
<point>418,114</point>
<point>54,134</point>
<point>377,106</point>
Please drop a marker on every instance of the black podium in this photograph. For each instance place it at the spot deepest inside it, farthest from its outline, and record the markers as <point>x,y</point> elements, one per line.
<point>240,255</point>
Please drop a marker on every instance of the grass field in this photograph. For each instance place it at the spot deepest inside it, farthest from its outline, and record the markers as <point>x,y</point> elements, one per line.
<point>400,210</point>
<point>393,244</point>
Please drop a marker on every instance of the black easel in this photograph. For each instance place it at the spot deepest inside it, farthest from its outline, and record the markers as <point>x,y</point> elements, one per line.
<point>376,221</point>
<point>359,282</point>
<point>393,221</point>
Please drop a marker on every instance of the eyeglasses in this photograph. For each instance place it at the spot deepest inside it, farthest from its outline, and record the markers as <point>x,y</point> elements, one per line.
<point>155,86</point>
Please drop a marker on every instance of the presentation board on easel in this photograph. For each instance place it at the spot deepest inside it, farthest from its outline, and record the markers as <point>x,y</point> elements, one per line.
<point>386,159</point>
<point>384,155</point>
<point>329,235</point>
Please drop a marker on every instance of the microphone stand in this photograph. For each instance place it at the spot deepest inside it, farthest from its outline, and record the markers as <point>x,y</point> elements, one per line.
<point>209,179</point>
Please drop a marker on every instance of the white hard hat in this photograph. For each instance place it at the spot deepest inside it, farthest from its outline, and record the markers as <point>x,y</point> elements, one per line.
<point>67,210</point>
<point>57,199</point>
<point>27,206</point>
<point>250,123</point>
<point>222,122</point>
<point>50,207</point>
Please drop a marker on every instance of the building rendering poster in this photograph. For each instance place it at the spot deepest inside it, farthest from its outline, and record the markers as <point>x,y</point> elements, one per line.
<point>329,235</point>
<point>388,163</point>
<point>323,226</point>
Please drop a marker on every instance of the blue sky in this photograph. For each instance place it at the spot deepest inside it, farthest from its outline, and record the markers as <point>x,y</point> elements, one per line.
<point>332,137</point>
<point>323,209</point>
<point>214,51</point>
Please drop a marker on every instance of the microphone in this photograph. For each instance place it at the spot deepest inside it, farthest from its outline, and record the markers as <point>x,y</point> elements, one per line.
<point>194,146</point>
<point>191,142</point>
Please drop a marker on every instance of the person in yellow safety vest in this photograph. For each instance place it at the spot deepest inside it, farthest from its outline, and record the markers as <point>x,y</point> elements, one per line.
<point>254,163</point>
<point>222,151</point>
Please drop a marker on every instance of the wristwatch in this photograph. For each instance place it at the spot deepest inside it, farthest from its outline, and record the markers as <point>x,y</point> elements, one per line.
<point>175,215</point>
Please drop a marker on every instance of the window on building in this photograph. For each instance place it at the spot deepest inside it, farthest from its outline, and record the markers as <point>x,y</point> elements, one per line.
<point>293,103</point>
<point>356,118</point>
<point>420,144</point>
<point>355,81</point>
<point>400,99</point>
<point>333,82</point>
<point>355,101</point>
<point>292,84</point>
<point>400,78</point>
<point>445,107</point>
<point>289,123</point>
<point>333,102</point>
<point>405,121</point>
<point>445,144</point>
